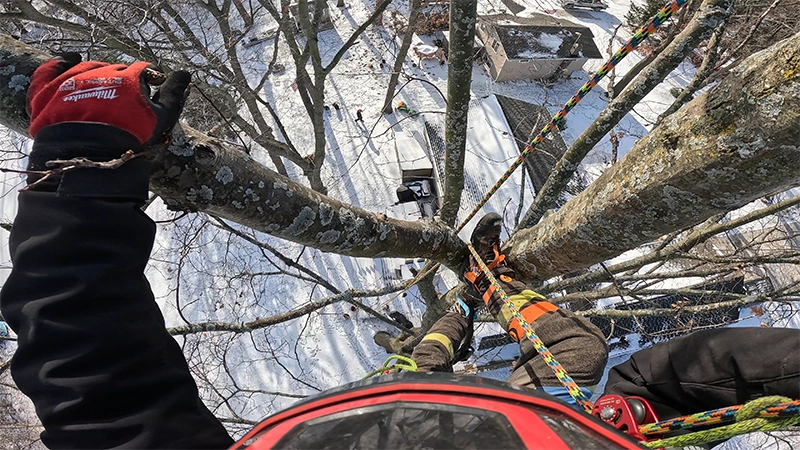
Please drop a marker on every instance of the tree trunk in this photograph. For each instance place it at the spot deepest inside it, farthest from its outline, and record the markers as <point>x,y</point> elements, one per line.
<point>413,17</point>
<point>708,17</point>
<point>459,77</point>
<point>726,148</point>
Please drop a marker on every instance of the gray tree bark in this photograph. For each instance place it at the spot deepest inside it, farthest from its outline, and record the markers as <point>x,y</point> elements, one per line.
<point>708,18</point>
<point>463,15</point>
<point>726,148</point>
<point>199,173</point>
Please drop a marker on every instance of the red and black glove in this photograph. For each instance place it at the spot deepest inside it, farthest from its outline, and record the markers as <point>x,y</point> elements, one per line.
<point>99,111</point>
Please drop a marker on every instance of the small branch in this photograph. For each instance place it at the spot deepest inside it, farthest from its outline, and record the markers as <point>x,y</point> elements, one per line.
<point>698,235</point>
<point>221,115</point>
<point>750,34</point>
<point>316,277</point>
<point>84,163</point>
<point>62,166</point>
<point>672,312</point>
<point>377,13</point>
<point>240,421</point>
<point>246,327</point>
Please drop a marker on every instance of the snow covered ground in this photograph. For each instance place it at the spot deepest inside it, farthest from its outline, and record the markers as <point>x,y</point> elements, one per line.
<point>200,272</point>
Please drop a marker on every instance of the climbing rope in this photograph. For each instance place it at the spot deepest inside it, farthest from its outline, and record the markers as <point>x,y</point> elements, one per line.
<point>665,13</point>
<point>555,366</point>
<point>722,416</point>
<point>641,34</point>
<point>400,363</point>
<point>764,414</point>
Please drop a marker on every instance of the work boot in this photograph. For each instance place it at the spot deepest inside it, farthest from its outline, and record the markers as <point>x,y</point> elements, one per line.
<point>485,240</point>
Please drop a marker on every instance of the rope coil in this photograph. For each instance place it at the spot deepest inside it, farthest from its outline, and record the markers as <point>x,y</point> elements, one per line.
<point>772,413</point>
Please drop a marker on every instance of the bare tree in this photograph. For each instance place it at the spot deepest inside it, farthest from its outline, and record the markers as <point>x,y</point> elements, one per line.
<point>163,32</point>
<point>415,8</point>
<point>678,184</point>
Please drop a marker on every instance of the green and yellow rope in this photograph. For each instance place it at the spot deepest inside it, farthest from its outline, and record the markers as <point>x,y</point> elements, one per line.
<point>764,414</point>
<point>400,363</point>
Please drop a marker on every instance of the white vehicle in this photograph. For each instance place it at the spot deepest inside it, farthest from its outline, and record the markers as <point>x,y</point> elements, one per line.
<point>595,5</point>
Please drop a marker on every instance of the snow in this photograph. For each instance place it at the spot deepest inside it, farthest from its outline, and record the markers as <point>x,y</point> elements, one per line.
<point>551,41</point>
<point>533,54</point>
<point>201,272</point>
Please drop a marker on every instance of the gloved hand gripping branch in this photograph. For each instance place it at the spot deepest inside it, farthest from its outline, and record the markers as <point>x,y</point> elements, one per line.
<point>99,111</point>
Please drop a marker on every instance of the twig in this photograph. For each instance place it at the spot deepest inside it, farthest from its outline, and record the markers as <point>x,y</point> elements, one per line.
<point>213,105</point>
<point>59,166</point>
<point>749,36</point>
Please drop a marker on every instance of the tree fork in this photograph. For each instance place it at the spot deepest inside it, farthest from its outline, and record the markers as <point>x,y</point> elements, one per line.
<point>707,19</point>
<point>724,149</point>
<point>199,173</point>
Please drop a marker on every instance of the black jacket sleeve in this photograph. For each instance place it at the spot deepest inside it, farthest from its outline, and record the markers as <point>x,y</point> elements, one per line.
<point>93,353</point>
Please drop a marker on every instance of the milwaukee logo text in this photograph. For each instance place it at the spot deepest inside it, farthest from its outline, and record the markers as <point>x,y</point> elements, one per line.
<point>103,92</point>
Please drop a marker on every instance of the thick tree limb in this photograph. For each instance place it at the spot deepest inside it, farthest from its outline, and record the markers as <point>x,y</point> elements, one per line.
<point>709,16</point>
<point>726,148</point>
<point>200,173</point>
<point>463,16</point>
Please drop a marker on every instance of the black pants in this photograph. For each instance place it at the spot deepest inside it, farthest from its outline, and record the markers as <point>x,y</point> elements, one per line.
<point>711,369</point>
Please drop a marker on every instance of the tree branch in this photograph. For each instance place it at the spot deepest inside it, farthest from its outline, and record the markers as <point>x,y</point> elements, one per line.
<point>198,173</point>
<point>711,13</point>
<point>672,312</point>
<point>729,146</point>
<point>379,9</point>
<point>246,327</point>
<point>664,252</point>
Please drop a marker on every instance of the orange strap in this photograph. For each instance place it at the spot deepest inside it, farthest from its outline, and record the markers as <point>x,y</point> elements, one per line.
<point>473,276</point>
<point>530,314</point>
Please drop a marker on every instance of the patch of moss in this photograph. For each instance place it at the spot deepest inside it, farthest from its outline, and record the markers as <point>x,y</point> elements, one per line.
<point>792,72</point>
<point>727,130</point>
